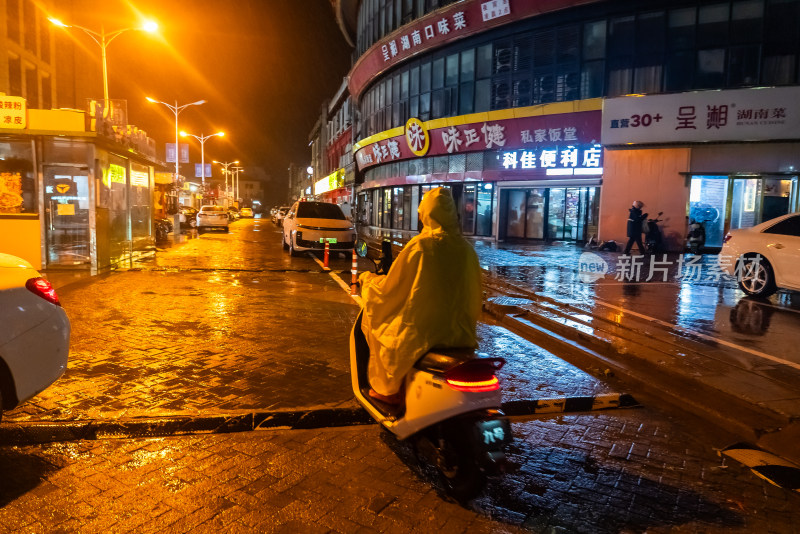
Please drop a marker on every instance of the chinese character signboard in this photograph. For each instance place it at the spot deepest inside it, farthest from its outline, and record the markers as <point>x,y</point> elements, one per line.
<point>532,134</point>
<point>13,111</point>
<point>461,19</point>
<point>703,116</point>
<point>556,160</point>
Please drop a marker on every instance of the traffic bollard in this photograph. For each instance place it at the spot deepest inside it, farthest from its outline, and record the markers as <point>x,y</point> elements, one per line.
<point>327,253</point>
<point>354,272</point>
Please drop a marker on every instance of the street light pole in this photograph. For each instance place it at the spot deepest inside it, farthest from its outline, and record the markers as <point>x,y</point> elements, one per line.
<point>203,138</point>
<point>176,109</point>
<point>104,39</point>
<point>226,172</point>
<point>236,191</point>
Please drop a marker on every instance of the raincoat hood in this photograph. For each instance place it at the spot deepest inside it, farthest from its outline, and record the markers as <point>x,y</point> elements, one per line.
<point>431,296</point>
<point>438,210</point>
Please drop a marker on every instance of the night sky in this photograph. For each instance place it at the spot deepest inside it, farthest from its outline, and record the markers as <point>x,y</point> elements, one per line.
<point>264,68</point>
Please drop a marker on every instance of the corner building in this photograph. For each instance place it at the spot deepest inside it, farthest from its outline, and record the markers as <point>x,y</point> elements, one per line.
<point>534,113</point>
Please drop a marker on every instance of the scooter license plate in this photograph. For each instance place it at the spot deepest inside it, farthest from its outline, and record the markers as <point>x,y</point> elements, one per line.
<point>493,434</point>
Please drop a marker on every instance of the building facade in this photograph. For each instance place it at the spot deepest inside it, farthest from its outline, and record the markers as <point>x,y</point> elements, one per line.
<point>534,113</point>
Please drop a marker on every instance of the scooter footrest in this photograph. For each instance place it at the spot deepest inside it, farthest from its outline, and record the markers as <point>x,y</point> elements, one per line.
<point>389,410</point>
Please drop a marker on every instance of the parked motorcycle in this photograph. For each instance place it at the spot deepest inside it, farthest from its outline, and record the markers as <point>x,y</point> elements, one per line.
<point>653,238</point>
<point>162,228</point>
<point>451,413</point>
<point>696,238</point>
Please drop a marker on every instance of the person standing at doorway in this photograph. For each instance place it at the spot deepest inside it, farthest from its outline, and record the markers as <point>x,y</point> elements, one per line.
<point>635,219</point>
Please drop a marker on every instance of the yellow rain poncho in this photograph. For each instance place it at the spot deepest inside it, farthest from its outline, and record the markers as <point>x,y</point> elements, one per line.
<point>431,296</point>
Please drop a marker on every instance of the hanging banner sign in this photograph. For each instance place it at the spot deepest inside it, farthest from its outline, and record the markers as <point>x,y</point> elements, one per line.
<point>198,170</point>
<point>184,148</point>
<point>761,114</point>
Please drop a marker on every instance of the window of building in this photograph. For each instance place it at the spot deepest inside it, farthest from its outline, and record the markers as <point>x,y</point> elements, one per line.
<point>14,76</point>
<point>12,14</point>
<point>31,86</point>
<point>29,23</point>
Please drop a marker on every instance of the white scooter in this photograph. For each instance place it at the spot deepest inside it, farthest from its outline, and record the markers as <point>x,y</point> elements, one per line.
<point>451,411</point>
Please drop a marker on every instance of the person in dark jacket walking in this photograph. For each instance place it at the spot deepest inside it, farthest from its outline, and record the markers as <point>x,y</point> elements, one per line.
<point>635,219</point>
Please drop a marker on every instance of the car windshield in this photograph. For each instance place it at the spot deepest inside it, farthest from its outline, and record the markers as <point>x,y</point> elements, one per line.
<point>319,210</point>
<point>212,208</point>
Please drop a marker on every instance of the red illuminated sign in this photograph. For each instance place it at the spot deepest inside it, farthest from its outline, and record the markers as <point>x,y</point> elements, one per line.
<point>445,25</point>
<point>523,133</point>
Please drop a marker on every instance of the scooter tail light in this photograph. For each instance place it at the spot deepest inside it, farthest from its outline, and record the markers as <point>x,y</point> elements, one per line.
<point>475,376</point>
<point>727,238</point>
<point>42,288</point>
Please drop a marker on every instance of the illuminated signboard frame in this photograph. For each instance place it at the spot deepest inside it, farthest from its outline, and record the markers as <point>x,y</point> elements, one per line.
<point>333,181</point>
<point>530,130</point>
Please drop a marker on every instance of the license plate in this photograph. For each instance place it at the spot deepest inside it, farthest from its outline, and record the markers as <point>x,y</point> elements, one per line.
<point>493,434</point>
<point>328,239</point>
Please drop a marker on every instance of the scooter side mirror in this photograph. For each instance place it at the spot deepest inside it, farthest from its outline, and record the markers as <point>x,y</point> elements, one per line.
<point>361,248</point>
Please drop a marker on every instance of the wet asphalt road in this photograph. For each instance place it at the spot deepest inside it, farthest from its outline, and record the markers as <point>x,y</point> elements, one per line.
<point>230,322</point>
<point>702,300</point>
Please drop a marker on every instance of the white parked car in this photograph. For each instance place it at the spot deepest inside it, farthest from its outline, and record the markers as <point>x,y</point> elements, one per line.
<point>212,217</point>
<point>34,337</point>
<point>246,213</point>
<point>309,225</point>
<point>766,257</point>
<point>279,215</point>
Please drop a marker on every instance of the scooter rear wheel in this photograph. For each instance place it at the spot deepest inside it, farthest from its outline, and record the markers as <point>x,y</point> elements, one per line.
<point>458,470</point>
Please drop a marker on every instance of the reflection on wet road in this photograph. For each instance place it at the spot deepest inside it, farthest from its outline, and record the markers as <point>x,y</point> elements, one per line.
<point>704,303</point>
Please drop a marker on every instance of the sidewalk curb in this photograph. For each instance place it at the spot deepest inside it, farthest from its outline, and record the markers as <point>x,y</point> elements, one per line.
<point>39,432</point>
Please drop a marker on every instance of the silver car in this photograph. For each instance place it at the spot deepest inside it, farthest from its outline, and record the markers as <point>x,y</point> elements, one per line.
<point>212,217</point>
<point>34,337</point>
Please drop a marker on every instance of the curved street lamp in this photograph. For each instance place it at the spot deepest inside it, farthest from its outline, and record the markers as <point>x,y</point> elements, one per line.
<point>176,109</point>
<point>226,172</point>
<point>202,138</point>
<point>104,39</point>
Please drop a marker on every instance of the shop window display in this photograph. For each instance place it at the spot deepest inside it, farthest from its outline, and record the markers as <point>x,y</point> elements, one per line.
<point>17,181</point>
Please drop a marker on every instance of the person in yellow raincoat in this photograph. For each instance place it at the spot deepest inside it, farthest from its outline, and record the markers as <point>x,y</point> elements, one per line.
<point>431,297</point>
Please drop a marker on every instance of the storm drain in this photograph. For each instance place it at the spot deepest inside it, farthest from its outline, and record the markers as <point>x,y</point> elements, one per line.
<point>29,433</point>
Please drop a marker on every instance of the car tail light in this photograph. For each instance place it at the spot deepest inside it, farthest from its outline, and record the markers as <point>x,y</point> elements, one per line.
<point>475,375</point>
<point>44,289</point>
<point>727,238</point>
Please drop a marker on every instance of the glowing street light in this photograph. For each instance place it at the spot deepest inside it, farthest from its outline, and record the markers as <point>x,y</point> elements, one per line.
<point>226,172</point>
<point>176,109</point>
<point>203,138</point>
<point>104,39</point>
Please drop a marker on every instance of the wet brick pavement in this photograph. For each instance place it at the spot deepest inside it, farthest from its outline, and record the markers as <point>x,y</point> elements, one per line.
<point>229,336</point>
<point>625,472</point>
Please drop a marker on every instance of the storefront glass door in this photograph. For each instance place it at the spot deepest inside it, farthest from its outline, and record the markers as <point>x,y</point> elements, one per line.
<point>708,197</point>
<point>745,203</point>
<point>557,211</point>
<point>535,214</point>
<point>468,212</point>
<point>68,233</point>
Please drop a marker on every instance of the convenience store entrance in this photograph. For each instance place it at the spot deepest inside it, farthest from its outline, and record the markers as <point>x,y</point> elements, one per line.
<point>549,213</point>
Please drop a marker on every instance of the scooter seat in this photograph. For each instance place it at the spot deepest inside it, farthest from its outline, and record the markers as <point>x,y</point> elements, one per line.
<point>440,360</point>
